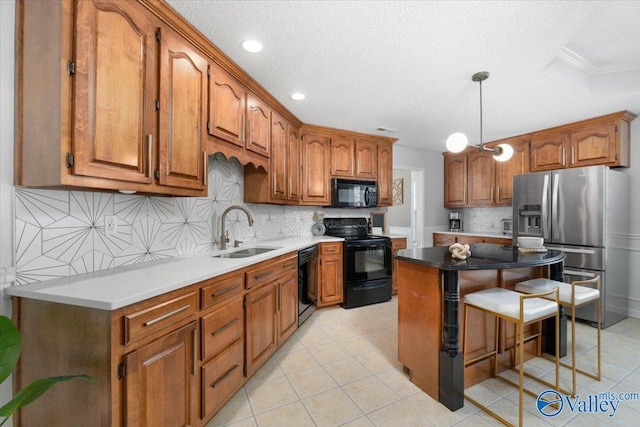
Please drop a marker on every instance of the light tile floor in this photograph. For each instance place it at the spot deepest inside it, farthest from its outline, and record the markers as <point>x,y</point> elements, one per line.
<point>341,369</point>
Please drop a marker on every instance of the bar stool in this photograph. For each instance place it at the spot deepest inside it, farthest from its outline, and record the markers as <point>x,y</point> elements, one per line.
<point>573,295</point>
<point>521,310</point>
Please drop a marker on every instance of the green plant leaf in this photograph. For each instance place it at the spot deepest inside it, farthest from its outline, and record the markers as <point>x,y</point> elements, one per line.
<point>10,347</point>
<point>34,390</point>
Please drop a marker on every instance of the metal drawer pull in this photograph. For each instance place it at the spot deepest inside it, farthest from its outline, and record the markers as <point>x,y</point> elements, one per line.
<point>227,326</point>
<point>225,290</point>
<point>290,265</point>
<point>229,372</point>
<point>579,273</point>
<point>263,275</point>
<point>165,316</point>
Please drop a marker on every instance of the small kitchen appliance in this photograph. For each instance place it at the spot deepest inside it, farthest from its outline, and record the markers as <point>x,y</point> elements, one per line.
<point>507,225</point>
<point>455,221</point>
<point>350,193</point>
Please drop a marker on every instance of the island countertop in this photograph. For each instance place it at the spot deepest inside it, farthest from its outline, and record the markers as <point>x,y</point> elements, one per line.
<point>484,256</point>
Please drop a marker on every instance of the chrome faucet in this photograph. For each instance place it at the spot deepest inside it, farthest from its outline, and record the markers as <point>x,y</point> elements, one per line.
<point>224,239</point>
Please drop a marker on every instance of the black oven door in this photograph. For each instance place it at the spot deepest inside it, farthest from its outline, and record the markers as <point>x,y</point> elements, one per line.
<point>367,260</point>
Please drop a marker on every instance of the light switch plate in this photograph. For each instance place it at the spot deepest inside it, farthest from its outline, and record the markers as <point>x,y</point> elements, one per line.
<point>110,224</point>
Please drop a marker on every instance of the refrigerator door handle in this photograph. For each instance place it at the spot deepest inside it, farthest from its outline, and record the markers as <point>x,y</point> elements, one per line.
<point>555,226</point>
<point>545,208</point>
<point>572,251</point>
<point>579,273</point>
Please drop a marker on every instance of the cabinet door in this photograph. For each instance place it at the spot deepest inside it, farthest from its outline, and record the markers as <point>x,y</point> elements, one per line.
<point>594,145</point>
<point>480,178</point>
<point>293,164</point>
<point>396,245</point>
<point>342,157</point>
<point>160,379</point>
<point>114,91</point>
<point>548,152</point>
<point>258,126</point>
<point>330,280</point>
<point>505,171</point>
<point>279,157</point>
<point>385,174</point>
<point>183,97</point>
<point>455,180</point>
<point>262,326</point>
<point>287,306</point>
<point>227,99</point>
<point>315,170</point>
<point>366,159</point>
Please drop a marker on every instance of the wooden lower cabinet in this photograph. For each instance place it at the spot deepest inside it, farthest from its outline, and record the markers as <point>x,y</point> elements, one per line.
<point>330,277</point>
<point>171,360</point>
<point>448,239</point>
<point>397,243</point>
<point>160,379</point>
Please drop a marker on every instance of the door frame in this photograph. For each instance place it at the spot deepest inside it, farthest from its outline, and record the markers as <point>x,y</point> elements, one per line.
<point>415,233</point>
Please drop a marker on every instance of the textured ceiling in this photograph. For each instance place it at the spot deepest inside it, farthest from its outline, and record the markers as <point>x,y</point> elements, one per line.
<point>407,65</point>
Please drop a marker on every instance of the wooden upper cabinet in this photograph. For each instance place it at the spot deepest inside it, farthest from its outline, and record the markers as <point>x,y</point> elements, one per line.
<point>480,178</point>
<point>114,92</point>
<point>455,179</point>
<point>385,174</point>
<point>343,157</point>
<point>227,99</point>
<point>594,145</point>
<point>315,169</point>
<point>279,158</point>
<point>258,126</point>
<point>505,171</point>
<point>183,97</point>
<point>293,164</point>
<point>366,159</point>
<point>548,151</point>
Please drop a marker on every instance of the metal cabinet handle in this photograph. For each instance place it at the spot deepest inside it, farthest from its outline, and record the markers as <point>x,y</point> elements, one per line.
<point>166,316</point>
<point>225,290</point>
<point>205,167</point>
<point>263,275</point>
<point>225,327</point>
<point>290,265</point>
<point>149,156</point>
<point>195,352</point>
<point>222,378</point>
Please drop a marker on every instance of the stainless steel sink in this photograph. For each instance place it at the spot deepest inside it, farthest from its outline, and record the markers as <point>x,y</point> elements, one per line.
<point>245,253</point>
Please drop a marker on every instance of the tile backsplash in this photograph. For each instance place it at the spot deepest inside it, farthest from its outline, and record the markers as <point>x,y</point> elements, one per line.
<point>484,219</point>
<point>62,233</point>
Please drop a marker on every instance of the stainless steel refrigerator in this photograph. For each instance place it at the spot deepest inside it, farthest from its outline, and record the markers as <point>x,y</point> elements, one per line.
<point>583,212</point>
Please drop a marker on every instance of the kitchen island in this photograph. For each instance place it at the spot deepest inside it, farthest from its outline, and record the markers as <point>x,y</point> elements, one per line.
<point>430,287</point>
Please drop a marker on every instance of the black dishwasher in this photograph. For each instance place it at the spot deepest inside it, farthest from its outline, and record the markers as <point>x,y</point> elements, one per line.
<point>307,282</point>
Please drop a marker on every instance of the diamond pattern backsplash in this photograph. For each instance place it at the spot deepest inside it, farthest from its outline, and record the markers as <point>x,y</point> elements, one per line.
<point>61,233</point>
<point>484,219</point>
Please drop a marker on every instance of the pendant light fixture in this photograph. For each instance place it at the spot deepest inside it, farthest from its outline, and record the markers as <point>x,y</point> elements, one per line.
<point>457,142</point>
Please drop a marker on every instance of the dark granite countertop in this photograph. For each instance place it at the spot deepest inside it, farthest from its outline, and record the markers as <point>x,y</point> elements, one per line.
<point>484,256</point>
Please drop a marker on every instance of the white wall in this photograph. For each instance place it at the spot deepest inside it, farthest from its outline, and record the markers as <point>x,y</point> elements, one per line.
<point>634,235</point>
<point>7,11</point>
<point>400,215</point>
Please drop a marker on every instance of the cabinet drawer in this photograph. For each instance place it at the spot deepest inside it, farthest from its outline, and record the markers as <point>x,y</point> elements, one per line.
<point>167,313</point>
<point>267,271</point>
<point>443,239</point>
<point>397,244</point>
<point>330,248</point>
<point>221,328</point>
<point>221,378</point>
<point>220,288</point>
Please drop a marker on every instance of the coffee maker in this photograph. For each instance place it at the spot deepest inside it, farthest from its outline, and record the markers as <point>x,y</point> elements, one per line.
<point>455,221</point>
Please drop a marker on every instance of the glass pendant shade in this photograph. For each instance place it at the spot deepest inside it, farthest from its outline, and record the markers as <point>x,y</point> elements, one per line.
<point>505,153</point>
<point>457,142</point>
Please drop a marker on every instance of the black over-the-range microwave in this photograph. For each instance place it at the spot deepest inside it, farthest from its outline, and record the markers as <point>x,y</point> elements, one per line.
<point>351,193</point>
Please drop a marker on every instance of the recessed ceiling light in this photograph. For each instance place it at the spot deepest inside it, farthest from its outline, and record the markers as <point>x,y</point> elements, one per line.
<point>252,46</point>
<point>297,96</point>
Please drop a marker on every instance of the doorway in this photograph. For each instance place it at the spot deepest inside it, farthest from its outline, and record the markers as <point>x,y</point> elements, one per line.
<point>406,213</point>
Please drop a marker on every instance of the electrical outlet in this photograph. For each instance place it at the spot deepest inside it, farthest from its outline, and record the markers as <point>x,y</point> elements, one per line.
<point>110,225</point>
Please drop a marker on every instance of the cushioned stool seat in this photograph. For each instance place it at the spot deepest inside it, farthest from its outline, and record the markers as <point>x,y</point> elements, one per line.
<point>571,295</point>
<point>507,303</point>
<point>520,309</point>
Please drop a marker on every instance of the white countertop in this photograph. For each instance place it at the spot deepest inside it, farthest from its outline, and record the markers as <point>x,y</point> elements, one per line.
<point>118,287</point>
<point>477,233</point>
